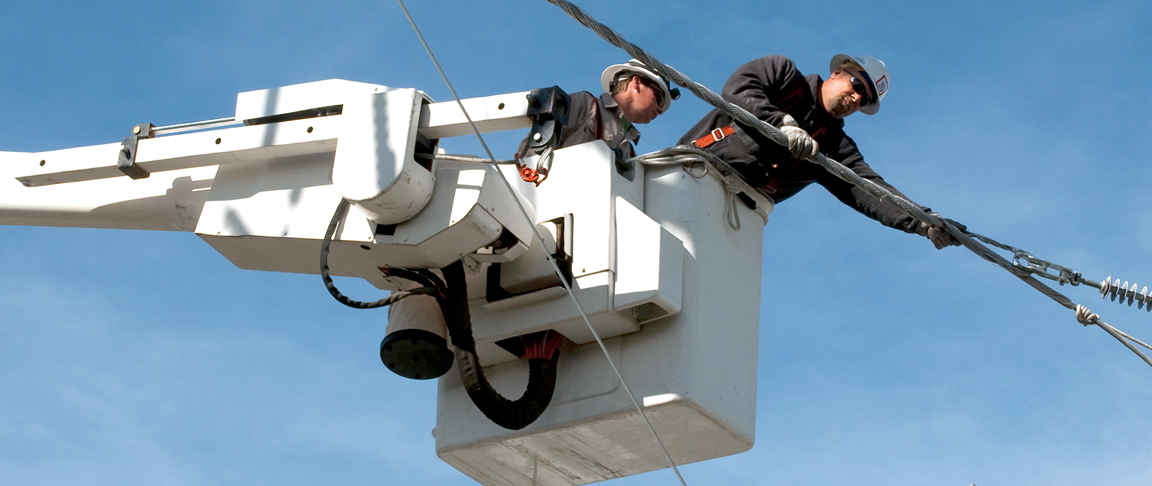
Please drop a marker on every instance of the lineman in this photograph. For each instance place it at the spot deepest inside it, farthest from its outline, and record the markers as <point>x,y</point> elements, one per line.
<point>633,95</point>
<point>810,111</point>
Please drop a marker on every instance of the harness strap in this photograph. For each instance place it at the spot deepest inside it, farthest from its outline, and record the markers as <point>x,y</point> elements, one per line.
<point>713,137</point>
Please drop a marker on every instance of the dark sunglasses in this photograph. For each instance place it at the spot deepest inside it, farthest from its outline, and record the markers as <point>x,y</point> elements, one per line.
<point>860,87</point>
<point>655,90</point>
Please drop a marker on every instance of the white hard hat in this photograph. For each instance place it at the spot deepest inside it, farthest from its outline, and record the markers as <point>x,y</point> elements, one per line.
<point>638,68</point>
<point>871,68</point>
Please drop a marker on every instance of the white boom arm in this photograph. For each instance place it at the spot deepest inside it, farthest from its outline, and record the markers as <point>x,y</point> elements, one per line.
<point>275,175</point>
<point>640,245</point>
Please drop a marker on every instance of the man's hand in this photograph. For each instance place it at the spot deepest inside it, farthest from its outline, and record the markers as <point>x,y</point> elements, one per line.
<point>939,237</point>
<point>799,142</point>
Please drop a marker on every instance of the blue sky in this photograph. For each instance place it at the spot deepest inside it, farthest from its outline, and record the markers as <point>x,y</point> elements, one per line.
<point>147,358</point>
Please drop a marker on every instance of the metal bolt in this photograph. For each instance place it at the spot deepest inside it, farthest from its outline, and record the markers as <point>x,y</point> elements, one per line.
<point>136,130</point>
<point>536,137</point>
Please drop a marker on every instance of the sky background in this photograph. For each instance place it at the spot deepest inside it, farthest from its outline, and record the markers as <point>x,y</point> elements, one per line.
<point>147,358</point>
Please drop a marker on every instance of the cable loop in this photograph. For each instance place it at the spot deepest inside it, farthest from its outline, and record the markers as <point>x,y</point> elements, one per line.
<point>687,167</point>
<point>1085,316</point>
<point>730,204</point>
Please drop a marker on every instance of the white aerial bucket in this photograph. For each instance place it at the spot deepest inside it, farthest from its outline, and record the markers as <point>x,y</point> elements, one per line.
<point>693,370</point>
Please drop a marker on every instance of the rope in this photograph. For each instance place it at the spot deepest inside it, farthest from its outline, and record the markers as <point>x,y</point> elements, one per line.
<point>551,260</point>
<point>688,157</point>
<point>744,117</point>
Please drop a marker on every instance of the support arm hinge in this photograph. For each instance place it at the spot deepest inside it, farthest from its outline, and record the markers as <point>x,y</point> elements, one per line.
<point>127,155</point>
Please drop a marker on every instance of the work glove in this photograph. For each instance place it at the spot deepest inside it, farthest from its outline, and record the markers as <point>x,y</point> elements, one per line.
<point>799,142</point>
<point>939,236</point>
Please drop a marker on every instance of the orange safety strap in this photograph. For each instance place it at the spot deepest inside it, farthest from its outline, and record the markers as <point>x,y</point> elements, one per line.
<point>715,136</point>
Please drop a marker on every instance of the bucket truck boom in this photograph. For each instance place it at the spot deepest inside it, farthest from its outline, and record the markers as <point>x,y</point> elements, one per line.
<point>666,284</point>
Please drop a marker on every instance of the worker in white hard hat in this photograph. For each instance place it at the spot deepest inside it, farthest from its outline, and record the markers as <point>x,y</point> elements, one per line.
<point>633,95</point>
<point>810,111</point>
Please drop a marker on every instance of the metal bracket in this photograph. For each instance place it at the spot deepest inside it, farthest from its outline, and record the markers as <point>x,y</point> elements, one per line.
<point>1025,261</point>
<point>127,158</point>
<point>548,108</point>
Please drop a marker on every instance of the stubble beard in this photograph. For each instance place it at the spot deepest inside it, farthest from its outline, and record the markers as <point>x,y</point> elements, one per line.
<point>840,106</point>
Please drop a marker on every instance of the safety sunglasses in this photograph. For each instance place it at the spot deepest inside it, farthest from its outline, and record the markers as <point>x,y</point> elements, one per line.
<point>657,91</point>
<point>862,89</point>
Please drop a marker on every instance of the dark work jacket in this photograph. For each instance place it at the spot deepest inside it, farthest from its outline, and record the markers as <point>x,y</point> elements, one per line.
<point>768,88</point>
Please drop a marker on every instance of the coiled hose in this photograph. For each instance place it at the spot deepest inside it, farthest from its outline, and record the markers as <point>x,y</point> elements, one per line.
<point>510,414</point>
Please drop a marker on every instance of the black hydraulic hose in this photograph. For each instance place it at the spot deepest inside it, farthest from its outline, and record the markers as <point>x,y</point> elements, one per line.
<point>432,277</point>
<point>420,276</point>
<point>392,298</point>
<point>510,414</point>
